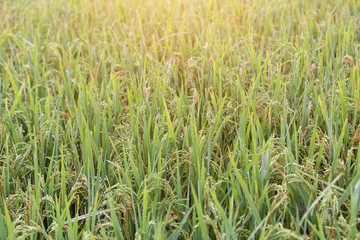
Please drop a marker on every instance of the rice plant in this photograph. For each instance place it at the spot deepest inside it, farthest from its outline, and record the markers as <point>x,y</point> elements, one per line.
<point>179,119</point>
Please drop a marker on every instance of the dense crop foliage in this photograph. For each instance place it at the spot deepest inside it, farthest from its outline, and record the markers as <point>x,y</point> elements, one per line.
<point>179,119</point>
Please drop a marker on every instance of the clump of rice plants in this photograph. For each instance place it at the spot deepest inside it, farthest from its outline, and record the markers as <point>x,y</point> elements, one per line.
<point>179,119</point>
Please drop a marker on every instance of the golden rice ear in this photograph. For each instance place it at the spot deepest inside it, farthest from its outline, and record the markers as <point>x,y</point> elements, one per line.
<point>348,60</point>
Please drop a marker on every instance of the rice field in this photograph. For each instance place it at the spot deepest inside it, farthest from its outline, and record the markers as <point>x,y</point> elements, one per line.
<point>179,119</point>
